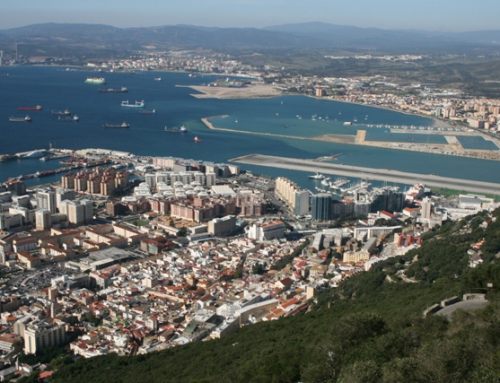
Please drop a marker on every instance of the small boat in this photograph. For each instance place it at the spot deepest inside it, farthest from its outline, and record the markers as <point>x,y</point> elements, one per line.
<point>196,140</point>
<point>158,79</point>
<point>347,123</point>
<point>317,176</point>
<point>35,108</point>
<point>123,125</point>
<point>136,104</point>
<point>20,119</point>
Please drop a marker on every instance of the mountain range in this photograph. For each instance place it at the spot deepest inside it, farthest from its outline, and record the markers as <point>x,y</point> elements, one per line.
<point>305,36</point>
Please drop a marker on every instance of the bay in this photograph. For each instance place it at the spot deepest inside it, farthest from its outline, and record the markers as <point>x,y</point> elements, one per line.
<point>57,89</point>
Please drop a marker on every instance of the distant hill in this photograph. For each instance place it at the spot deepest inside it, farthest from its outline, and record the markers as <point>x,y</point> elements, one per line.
<point>349,37</point>
<point>305,36</point>
<point>174,36</point>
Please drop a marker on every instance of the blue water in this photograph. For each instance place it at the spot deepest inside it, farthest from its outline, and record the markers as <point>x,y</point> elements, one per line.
<point>55,88</point>
<point>476,142</point>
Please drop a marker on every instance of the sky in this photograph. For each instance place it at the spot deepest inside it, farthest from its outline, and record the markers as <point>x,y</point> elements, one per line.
<point>436,15</point>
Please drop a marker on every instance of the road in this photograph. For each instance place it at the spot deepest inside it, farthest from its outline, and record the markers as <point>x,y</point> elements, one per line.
<point>387,175</point>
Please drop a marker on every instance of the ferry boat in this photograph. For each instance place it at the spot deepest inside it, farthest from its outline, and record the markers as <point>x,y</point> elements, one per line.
<point>95,80</point>
<point>317,176</point>
<point>123,125</point>
<point>137,104</point>
<point>114,90</point>
<point>34,108</point>
<point>20,119</point>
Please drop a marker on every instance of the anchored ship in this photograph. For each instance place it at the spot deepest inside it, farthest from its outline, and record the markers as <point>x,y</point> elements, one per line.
<point>137,104</point>
<point>182,129</point>
<point>34,108</point>
<point>65,112</point>
<point>95,80</point>
<point>20,119</point>
<point>73,118</point>
<point>123,125</point>
<point>147,111</point>
<point>114,90</point>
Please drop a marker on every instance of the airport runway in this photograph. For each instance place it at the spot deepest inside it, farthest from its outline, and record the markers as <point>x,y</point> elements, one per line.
<point>388,175</point>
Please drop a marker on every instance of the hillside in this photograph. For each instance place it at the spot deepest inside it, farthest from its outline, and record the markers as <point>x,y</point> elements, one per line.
<point>370,329</point>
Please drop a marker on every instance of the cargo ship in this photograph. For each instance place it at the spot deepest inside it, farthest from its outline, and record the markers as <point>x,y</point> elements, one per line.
<point>34,108</point>
<point>114,90</point>
<point>137,104</point>
<point>20,119</point>
<point>123,125</point>
<point>95,80</point>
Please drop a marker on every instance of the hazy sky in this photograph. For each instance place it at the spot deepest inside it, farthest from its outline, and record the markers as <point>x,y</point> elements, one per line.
<point>456,15</point>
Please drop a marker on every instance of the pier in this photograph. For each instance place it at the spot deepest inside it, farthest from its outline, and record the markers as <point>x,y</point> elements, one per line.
<point>387,175</point>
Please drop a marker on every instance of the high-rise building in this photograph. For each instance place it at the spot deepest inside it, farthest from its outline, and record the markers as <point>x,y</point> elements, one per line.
<point>321,207</point>
<point>43,219</point>
<point>46,200</point>
<point>292,195</point>
<point>426,208</point>
<point>40,336</point>
<point>78,212</point>
<point>68,181</point>
<point>301,206</point>
<point>390,199</point>
<point>63,195</point>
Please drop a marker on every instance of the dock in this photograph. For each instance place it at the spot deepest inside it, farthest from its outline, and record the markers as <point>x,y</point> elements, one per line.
<point>383,175</point>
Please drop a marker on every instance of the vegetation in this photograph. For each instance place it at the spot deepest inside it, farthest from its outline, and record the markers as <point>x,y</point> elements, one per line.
<point>370,329</point>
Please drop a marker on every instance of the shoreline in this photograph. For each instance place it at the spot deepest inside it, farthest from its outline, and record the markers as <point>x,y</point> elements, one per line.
<point>86,69</point>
